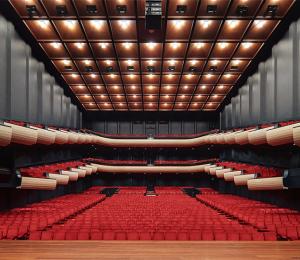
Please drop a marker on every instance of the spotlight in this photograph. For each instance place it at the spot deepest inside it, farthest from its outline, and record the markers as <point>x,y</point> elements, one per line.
<point>211,9</point>
<point>88,68</point>
<point>260,24</point>
<point>121,9</point>
<point>150,68</point>
<point>271,10</point>
<point>68,68</point>
<point>233,23</point>
<point>91,9</point>
<point>109,69</point>
<point>70,24</point>
<point>103,45</point>
<point>130,68</point>
<point>97,24</point>
<point>193,69</point>
<point>205,23</point>
<point>178,24</point>
<point>151,45</point>
<point>124,24</point>
<point>61,10</point>
<point>247,45</point>
<point>199,45</point>
<point>43,23</point>
<point>181,9</point>
<point>242,10</point>
<point>171,68</point>
<point>32,10</point>
<point>175,45</point>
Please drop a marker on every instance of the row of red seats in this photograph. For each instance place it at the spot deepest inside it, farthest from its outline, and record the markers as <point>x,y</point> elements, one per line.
<point>116,162</point>
<point>285,222</point>
<point>19,221</point>
<point>169,216</point>
<point>183,236</point>
<point>38,171</point>
<point>265,172</point>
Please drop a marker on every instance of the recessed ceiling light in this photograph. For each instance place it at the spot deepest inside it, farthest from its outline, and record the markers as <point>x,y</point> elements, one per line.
<point>66,62</point>
<point>199,45</point>
<point>135,104</point>
<point>167,96</point>
<point>79,45</point>
<point>215,96</point>
<point>131,76</point>
<point>86,96</point>
<point>233,23</point>
<point>165,104</point>
<point>102,96</point>
<point>70,24</point>
<point>44,24</point>
<point>168,87</point>
<point>134,96</point>
<point>55,45</point>
<point>151,87</point>
<point>98,87</point>
<point>105,104</point>
<point>133,87</point>
<point>182,96</point>
<point>186,87</point>
<point>74,75</point>
<point>151,96</point>
<point>203,87</point>
<point>150,76</point>
<point>193,62</point>
<point>259,23</point>
<point>195,104</point>
<point>189,76</point>
<point>210,104</point>
<point>150,104</point>
<point>151,62</point>
<point>208,75</point>
<point>118,96</point>
<point>247,45</point>
<point>124,24</point>
<point>121,104</point>
<point>227,76</point>
<point>178,24</point>
<point>112,75</point>
<point>199,96</point>
<point>215,62</point>
<point>97,24</point>
<point>90,104</point>
<point>221,87</point>
<point>205,23</point>
<point>93,76</point>
<point>236,62</point>
<point>103,45</point>
<point>170,75</point>
<point>127,45</point>
<point>180,104</point>
<point>223,45</point>
<point>130,62</point>
<point>81,87</point>
<point>151,45</point>
<point>87,62</point>
<point>175,45</point>
<point>108,62</point>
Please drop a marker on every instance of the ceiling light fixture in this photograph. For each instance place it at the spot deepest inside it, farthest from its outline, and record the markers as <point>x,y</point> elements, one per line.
<point>124,24</point>
<point>247,45</point>
<point>103,45</point>
<point>66,62</point>
<point>97,24</point>
<point>130,62</point>
<point>79,45</point>
<point>175,45</point>
<point>70,24</point>
<point>87,62</point>
<point>223,45</point>
<point>93,76</point>
<point>151,45</point>
<point>151,62</point>
<point>127,45</point>
<point>55,45</point>
<point>205,23</point>
<point>233,23</point>
<point>178,24</point>
<point>193,62</point>
<point>259,24</point>
<point>43,24</point>
<point>199,45</point>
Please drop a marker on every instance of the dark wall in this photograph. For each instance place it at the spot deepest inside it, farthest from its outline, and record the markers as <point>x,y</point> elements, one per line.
<point>151,123</point>
<point>27,91</point>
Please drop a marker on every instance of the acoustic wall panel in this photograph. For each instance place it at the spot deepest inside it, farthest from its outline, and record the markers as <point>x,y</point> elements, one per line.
<point>270,89</point>
<point>255,99</point>
<point>18,77</point>
<point>188,127</point>
<point>32,88</point>
<point>244,94</point>
<point>4,64</point>
<point>175,127</point>
<point>284,72</point>
<point>125,127</point>
<point>163,127</point>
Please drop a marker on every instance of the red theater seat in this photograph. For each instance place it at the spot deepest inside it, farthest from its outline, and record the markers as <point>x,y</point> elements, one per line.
<point>120,236</point>
<point>145,236</point>
<point>96,235</point>
<point>35,235</point>
<point>132,236</point>
<point>158,236</point>
<point>108,235</point>
<point>170,236</point>
<point>48,235</point>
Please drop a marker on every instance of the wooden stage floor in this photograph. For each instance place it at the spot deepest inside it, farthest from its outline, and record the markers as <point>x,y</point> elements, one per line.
<point>152,250</point>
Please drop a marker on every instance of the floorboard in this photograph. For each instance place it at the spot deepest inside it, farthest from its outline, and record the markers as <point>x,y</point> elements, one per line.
<point>130,250</point>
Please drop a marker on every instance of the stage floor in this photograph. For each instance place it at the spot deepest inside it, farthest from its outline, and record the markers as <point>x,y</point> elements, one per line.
<point>152,250</point>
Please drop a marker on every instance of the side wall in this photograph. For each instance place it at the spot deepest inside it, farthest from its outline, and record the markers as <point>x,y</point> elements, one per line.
<point>272,94</point>
<point>27,92</point>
